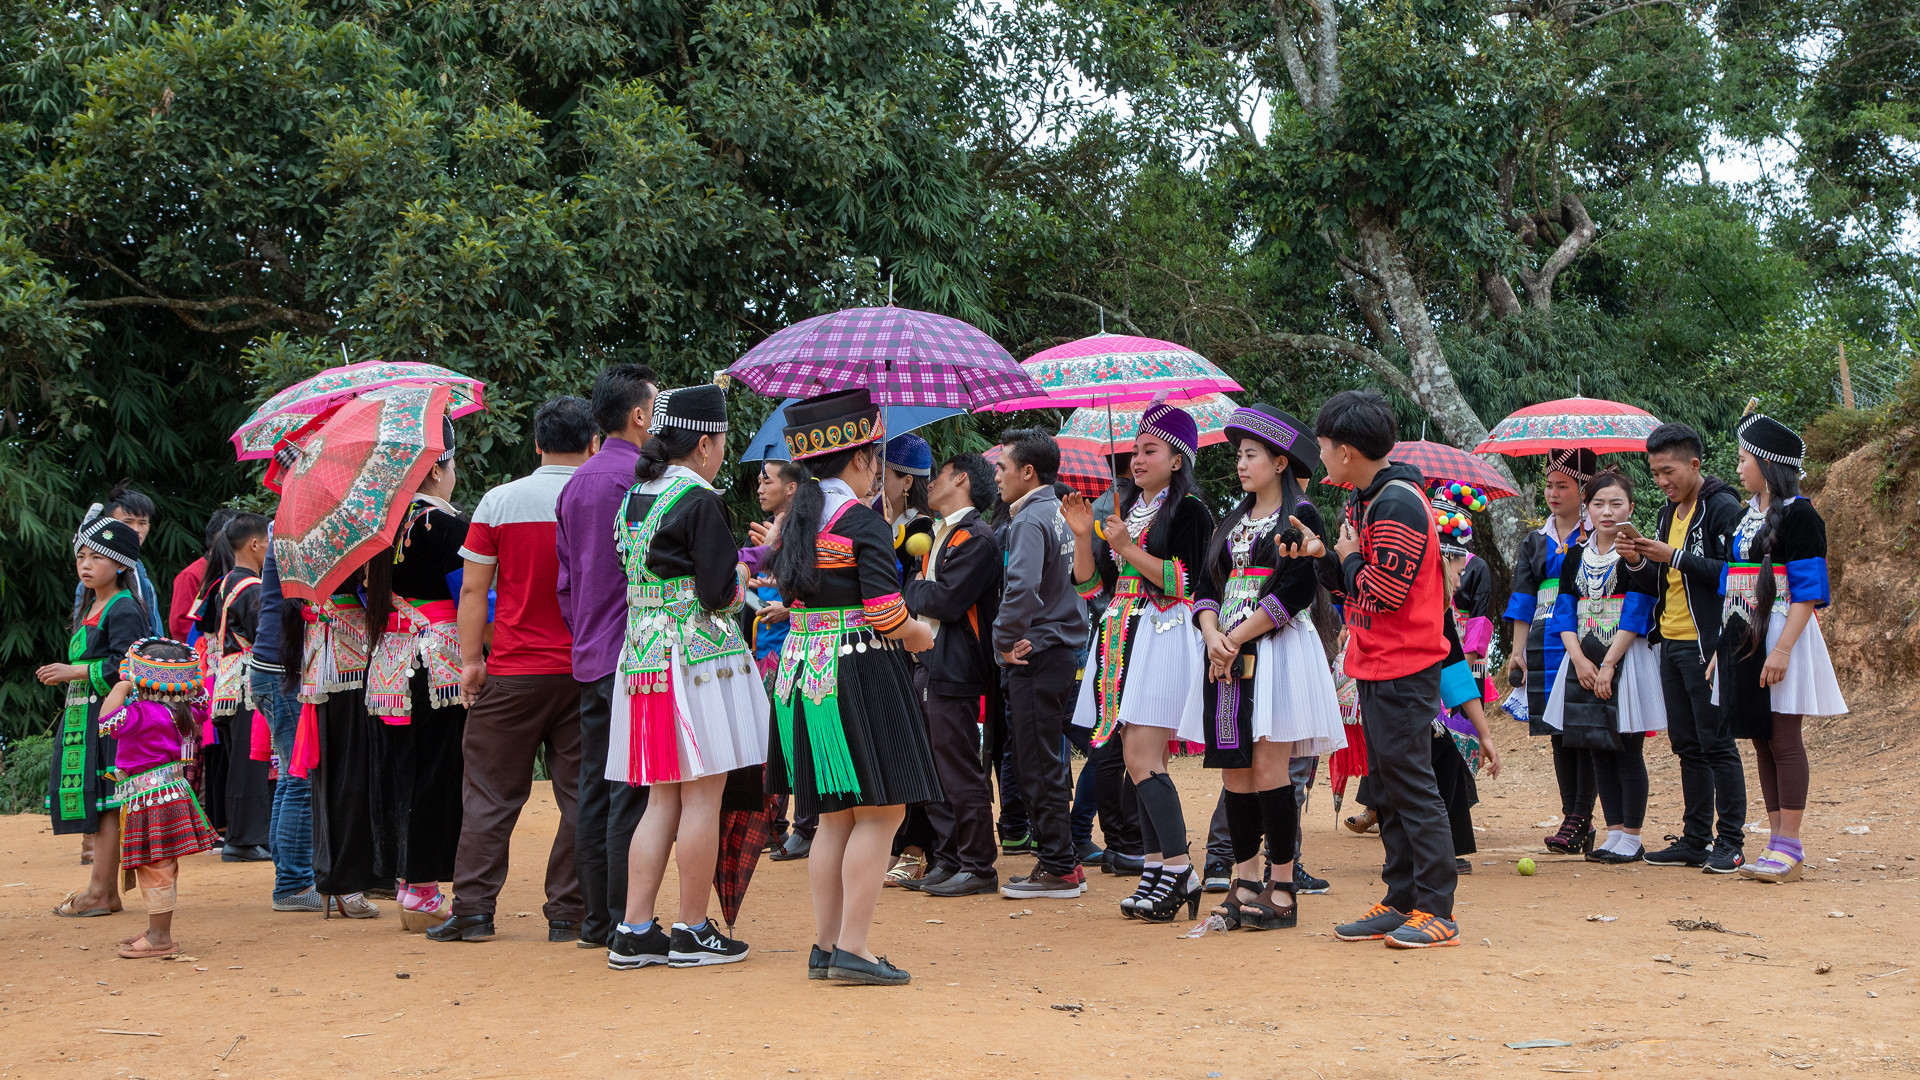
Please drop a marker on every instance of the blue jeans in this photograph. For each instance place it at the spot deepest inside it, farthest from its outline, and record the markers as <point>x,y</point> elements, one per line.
<point>292,827</point>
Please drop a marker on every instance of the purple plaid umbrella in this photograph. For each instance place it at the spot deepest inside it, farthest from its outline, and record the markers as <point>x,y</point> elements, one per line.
<point>904,357</point>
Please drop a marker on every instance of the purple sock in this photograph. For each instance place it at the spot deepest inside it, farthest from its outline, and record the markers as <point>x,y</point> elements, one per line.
<point>1787,845</point>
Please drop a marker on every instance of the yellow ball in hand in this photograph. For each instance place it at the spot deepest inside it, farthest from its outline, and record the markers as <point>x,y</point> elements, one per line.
<point>918,545</point>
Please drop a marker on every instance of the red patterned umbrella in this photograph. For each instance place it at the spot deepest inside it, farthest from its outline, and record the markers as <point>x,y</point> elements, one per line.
<point>343,495</point>
<point>292,408</point>
<point>1082,468</point>
<point>904,357</point>
<point>1604,427</point>
<point>1441,463</point>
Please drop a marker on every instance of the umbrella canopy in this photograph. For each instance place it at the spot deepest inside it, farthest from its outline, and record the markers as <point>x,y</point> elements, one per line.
<point>290,409</point>
<point>1083,469</point>
<point>1444,464</point>
<point>742,834</point>
<point>904,357</point>
<point>770,441</point>
<point>1604,427</point>
<point>1092,426</point>
<point>1115,368</point>
<point>344,495</point>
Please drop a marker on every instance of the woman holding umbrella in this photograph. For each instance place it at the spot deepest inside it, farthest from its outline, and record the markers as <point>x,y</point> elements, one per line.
<point>413,687</point>
<point>1535,662</point>
<point>1147,668</point>
<point>853,745</point>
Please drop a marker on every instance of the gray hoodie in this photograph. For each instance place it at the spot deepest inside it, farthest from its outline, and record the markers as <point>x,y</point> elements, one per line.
<point>1040,603</point>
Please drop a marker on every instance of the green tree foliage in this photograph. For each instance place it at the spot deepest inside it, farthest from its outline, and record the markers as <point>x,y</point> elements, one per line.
<point>200,203</point>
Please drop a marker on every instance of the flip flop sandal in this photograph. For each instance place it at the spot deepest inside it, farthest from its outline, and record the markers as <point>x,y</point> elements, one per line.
<point>138,949</point>
<point>66,910</point>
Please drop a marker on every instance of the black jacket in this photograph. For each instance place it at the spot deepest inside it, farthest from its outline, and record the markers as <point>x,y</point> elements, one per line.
<point>1709,538</point>
<point>964,597</point>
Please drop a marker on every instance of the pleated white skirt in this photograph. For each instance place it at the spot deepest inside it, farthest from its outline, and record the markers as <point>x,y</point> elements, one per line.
<point>1294,699</point>
<point>1643,708</point>
<point>721,723</point>
<point>1163,678</point>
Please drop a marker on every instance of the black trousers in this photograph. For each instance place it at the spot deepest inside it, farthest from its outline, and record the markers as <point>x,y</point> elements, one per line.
<point>963,822</point>
<point>1115,800</point>
<point>1710,774</point>
<point>1416,836</point>
<point>514,716</point>
<point>343,789</point>
<point>1040,705</point>
<point>608,813</point>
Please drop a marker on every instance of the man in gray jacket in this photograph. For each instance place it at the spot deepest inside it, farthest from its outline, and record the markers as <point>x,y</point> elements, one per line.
<point>1037,636</point>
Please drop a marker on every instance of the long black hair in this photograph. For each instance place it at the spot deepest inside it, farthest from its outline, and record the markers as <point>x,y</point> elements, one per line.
<point>1783,486</point>
<point>379,589</point>
<point>795,563</point>
<point>126,581</point>
<point>1289,483</point>
<point>670,445</point>
<point>1160,534</point>
<point>916,498</point>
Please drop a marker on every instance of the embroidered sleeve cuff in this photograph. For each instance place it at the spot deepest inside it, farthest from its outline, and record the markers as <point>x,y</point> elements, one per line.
<point>1206,605</point>
<point>1457,685</point>
<point>1807,580</point>
<point>111,724</point>
<point>1173,578</point>
<point>1275,610</point>
<point>1520,607</point>
<point>1636,613</point>
<point>1089,588</point>
<point>885,613</point>
<point>97,676</point>
<point>1562,618</point>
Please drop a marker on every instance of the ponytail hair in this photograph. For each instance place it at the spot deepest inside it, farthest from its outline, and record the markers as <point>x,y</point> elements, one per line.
<point>1783,486</point>
<point>796,566</point>
<point>670,445</point>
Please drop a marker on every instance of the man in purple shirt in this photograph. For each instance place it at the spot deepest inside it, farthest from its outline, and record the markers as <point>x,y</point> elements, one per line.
<point>593,603</point>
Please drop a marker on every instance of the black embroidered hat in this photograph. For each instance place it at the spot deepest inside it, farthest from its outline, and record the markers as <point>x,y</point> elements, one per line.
<point>1278,430</point>
<point>109,536</point>
<point>695,408</point>
<point>1770,440</point>
<point>1580,463</point>
<point>832,422</point>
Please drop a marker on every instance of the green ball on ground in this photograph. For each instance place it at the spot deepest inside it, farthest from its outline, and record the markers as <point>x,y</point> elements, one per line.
<point>1526,867</point>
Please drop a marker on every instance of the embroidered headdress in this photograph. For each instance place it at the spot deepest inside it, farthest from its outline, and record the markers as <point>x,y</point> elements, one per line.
<point>832,422</point>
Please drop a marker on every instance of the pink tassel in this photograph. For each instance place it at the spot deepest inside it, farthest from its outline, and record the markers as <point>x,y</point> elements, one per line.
<point>653,755</point>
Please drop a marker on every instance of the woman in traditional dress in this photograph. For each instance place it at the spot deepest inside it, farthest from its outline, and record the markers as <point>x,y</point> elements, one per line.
<point>852,740</point>
<point>1535,661</point>
<point>1270,695</point>
<point>1601,617</point>
<point>1772,669</point>
<point>688,709</point>
<point>334,744</point>
<point>1147,668</point>
<point>413,688</point>
<point>106,623</point>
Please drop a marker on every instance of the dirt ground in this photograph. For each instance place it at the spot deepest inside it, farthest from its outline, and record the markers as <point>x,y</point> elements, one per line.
<point>1579,953</point>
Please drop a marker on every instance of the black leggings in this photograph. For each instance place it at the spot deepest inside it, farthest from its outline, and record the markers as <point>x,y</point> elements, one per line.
<point>1574,770</point>
<point>1784,773</point>
<point>1621,777</point>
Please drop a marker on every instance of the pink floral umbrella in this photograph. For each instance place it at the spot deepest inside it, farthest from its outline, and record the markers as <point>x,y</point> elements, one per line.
<point>1605,427</point>
<point>1115,369</point>
<point>1112,430</point>
<point>291,409</point>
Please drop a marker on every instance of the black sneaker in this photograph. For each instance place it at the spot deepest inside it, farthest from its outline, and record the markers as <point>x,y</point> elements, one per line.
<point>703,946</point>
<point>630,950</point>
<point>1306,884</point>
<point>1724,859</point>
<point>1017,845</point>
<point>1219,876</point>
<point>1462,865</point>
<point>1677,853</point>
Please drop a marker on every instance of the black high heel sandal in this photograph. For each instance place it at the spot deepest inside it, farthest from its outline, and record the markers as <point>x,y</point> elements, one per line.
<point>1259,915</point>
<point>1132,906</point>
<point>1229,909</point>
<point>1183,888</point>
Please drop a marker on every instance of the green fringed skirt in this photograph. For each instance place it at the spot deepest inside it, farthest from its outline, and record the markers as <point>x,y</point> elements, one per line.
<point>871,735</point>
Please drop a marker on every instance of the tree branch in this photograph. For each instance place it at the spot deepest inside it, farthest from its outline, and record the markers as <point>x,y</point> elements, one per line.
<point>268,311</point>
<point>1290,52</point>
<point>1327,56</point>
<point>1500,294</point>
<point>1119,314</point>
<point>1352,350</point>
<point>1540,282</point>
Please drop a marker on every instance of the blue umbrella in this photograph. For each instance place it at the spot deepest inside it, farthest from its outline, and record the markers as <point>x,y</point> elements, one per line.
<point>770,441</point>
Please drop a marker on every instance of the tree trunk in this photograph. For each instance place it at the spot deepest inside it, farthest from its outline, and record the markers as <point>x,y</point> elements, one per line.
<point>1433,386</point>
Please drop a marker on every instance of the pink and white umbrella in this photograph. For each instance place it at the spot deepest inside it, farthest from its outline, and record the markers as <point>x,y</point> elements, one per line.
<point>1114,369</point>
<point>290,409</point>
<point>1599,425</point>
<point>1111,430</point>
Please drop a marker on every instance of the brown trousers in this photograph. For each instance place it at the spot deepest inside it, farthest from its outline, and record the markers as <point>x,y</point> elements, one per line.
<point>513,717</point>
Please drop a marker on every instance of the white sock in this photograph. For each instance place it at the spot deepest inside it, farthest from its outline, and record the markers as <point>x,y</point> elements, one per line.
<point>1613,841</point>
<point>636,928</point>
<point>1629,843</point>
